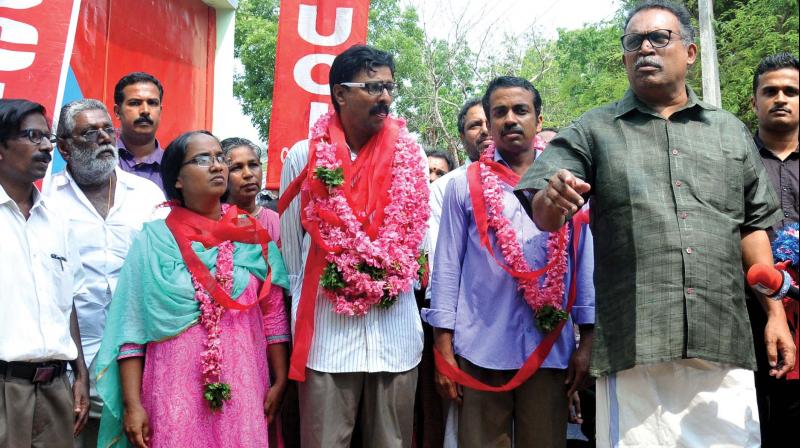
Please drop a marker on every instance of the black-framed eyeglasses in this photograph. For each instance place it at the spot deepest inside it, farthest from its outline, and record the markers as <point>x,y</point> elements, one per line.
<point>374,88</point>
<point>36,136</point>
<point>93,135</point>
<point>657,39</point>
<point>207,160</point>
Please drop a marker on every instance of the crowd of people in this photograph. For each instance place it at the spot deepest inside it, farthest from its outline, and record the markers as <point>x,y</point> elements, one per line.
<point>395,298</point>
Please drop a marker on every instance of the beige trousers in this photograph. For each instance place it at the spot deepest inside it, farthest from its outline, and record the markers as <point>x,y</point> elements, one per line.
<point>330,402</point>
<point>532,415</point>
<point>36,415</point>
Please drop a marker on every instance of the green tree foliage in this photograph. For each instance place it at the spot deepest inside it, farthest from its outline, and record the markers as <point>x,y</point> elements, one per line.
<point>575,72</point>
<point>747,32</point>
<point>255,41</point>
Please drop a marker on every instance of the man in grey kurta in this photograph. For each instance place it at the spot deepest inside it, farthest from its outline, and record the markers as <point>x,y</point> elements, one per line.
<point>679,202</point>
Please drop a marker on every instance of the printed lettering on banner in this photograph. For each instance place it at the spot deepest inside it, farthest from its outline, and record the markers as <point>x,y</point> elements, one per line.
<point>35,46</point>
<point>310,35</point>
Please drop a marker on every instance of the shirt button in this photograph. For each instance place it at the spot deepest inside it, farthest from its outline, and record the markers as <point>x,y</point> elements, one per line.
<point>689,291</point>
<point>674,152</point>
<point>688,250</point>
<point>678,183</point>
<point>786,214</point>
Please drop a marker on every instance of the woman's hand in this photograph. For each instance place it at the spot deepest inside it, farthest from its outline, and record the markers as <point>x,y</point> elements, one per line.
<point>136,426</point>
<point>272,404</point>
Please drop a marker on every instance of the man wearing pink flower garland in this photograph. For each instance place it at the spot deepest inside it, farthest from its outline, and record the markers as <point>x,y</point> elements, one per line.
<point>508,328</point>
<point>351,243</point>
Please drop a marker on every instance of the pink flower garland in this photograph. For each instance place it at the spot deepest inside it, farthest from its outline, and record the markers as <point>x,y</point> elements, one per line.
<point>546,301</point>
<point>215,391</point>
<point>373,272</point>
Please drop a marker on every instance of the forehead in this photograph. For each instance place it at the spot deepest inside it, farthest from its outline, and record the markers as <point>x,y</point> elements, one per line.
<point>437,161</point>
<point>141,90</point>
<point>201,144</point>
<point>783,77</point>
<point>510,96</point>
<point>475,113</point>
<point>34,120</point>
<point>653,19</point>
<point>91,117</point>
<point>382,73</point>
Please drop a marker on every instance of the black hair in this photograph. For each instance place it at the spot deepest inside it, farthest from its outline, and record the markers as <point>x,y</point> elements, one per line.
<point>135,78</point>
<point>12,112</point>
<point>504,82</point>
<point>172,162</point>
<point>445,156</point>
<point>677,9</point>
<point>772,63</point>
<point>462,114</point>
<point>351,61</point>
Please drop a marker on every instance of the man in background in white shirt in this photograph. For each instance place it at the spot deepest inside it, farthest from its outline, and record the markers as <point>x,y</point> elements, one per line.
<point>40,275</point>
<point>106,207</point>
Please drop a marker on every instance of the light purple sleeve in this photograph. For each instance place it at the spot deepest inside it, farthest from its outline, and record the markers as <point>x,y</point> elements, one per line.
<point>583,309</point>
<point>271,221</point>
<point>274,316</point>
<point>450,248</point>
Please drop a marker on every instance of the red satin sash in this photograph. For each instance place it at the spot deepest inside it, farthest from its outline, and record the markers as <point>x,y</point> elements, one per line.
<point>187,226</point>
<point>366,189</point>
<point>538,356</point>
<point>481,216</point>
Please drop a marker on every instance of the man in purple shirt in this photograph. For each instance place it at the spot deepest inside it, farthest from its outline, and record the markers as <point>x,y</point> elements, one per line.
<point>137,105</point>
<point>481,320</point>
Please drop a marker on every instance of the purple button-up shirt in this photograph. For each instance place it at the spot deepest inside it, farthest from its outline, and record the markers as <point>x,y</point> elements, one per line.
<point>493,326</point>
<point>148,168</point>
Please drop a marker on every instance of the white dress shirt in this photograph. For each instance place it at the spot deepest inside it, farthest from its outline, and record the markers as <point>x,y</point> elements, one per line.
<point>40,273</point>
<point>103,243</point>
<point>384,340</point>
<point>436,200</point>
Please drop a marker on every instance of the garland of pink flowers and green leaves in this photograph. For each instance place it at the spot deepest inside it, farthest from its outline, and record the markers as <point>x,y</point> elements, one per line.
<point>366,272</point>
<point>214,390</point>
<point>546,301</point>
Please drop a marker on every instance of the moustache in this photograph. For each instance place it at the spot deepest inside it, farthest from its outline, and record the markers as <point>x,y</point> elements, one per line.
<point>780,108</point>
<point>141,120</point>
<point>650,61</point>
<point>512,130</point>
<point>42,157</point>
<point>103,148</point>
<point>379,108</point>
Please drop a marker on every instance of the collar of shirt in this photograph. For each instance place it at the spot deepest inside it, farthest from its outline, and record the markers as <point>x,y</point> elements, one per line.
<point>154,158</point>
<point>38,199</point>
<point>630,102</point>
<point>765,152</point>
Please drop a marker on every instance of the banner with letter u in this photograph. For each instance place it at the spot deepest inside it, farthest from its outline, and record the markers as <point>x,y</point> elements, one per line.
<point>310,35</point>
<point>36,38</point>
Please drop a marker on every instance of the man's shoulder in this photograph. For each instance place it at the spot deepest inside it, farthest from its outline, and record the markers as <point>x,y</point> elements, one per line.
<point>139,184</point>
<point>298,153</point>
<point>440,185</point>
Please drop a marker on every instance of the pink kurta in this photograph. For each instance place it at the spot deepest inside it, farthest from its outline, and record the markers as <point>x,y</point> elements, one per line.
<point>172,382</point>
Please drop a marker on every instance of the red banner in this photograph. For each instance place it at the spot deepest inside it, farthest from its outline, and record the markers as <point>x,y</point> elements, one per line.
<point>310,35</point>
<point>35,42</point>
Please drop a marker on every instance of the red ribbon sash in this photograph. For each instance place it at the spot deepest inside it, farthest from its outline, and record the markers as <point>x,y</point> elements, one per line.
<point>187,226</point>
<point>538,356</point>
<point>366,189</point>
<point>481,216</point>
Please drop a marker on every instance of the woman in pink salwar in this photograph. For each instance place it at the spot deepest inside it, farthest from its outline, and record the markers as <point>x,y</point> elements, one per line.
<point>197,320</point>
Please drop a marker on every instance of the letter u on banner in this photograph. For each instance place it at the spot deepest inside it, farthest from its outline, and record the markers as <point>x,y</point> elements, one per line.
<point>310,35</point>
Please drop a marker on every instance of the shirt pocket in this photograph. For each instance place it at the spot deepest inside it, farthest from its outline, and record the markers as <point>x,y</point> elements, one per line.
<point>719,178</point>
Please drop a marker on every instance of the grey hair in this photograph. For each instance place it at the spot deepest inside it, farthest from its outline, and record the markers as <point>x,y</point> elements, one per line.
<point>677,9</point>
<point>234,142</point>
<point>66,120</point>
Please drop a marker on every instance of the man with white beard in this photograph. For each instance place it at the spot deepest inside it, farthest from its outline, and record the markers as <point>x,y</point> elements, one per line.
<point>106,207</point>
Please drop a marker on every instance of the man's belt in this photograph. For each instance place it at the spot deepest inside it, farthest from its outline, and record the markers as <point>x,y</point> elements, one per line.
<point>35,372</point>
